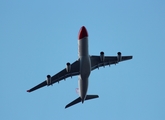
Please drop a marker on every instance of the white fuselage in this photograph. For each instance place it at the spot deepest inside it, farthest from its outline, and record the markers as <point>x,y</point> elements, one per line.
<point>85,67</point>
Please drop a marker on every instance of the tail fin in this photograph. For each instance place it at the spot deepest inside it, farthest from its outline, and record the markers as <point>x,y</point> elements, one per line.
<point>88,97</point>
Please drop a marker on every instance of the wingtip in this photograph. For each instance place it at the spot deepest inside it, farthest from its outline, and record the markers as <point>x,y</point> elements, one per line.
<point>66,106</point>
<point>28,91</point>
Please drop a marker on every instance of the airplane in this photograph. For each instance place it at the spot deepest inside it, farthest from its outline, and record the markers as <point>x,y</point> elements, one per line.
<point>82,67</point>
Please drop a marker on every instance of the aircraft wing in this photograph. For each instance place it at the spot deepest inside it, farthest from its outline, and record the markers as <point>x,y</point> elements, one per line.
<point>108,60</point>
<point>63,74</point>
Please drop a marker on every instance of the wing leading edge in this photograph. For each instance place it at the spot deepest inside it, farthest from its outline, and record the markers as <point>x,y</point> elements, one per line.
<point>63,74</point>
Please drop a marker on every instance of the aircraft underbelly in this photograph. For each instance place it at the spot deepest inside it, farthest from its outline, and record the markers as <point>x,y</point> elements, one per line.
<point>83,87</point>
<point>85,69</point>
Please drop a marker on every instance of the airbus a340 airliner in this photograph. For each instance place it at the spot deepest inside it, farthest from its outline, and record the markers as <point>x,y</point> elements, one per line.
<point>82,67</point>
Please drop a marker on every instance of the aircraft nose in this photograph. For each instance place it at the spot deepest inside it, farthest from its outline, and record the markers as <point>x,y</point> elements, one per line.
<point>82,33</point>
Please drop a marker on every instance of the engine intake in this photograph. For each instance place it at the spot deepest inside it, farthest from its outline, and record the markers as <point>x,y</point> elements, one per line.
<point>49,82</point>
<point>119,57</point>
<point>102,56</point>
<point>68,67</point>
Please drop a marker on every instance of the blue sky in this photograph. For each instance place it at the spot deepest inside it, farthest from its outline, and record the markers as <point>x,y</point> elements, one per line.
<point>38,38</point>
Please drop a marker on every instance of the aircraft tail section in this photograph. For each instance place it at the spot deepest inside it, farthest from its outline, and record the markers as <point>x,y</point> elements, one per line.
<point>88,97</point>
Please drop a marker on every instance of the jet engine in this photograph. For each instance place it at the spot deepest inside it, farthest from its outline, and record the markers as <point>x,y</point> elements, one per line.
<point>119,57</point>
<point>48,80</point>
<point>102,56</point>
<point>68,67</point>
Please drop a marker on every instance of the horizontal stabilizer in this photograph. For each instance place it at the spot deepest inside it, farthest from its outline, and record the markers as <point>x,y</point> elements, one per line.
<point>73,102</point>
<point>88,97</point>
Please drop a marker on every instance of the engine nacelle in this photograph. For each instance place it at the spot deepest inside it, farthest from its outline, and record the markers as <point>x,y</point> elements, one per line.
<point>102,56</point>
<point>119,57</point>
<point>68,67</point>
<point>48,80</point>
